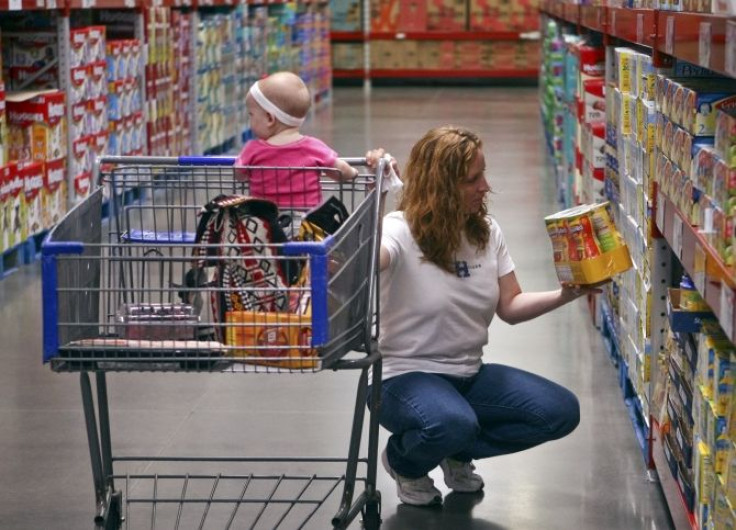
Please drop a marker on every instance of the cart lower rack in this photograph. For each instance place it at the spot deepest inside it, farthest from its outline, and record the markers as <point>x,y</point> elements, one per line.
<point>188,273</point>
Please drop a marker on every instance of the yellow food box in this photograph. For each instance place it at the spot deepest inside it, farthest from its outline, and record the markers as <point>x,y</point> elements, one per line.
<point>270,338</point>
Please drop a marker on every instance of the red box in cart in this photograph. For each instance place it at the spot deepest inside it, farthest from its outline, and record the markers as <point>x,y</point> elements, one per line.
<point>54,192</point>
<point>32,174</point>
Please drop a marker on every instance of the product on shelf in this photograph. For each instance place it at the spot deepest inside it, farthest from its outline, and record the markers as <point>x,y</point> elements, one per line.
<point>37,123</point>
<point>54,195</point>
<point>16,226</point>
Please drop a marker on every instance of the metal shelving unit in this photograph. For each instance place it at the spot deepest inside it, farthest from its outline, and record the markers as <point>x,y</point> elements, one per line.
<point>699,39</point>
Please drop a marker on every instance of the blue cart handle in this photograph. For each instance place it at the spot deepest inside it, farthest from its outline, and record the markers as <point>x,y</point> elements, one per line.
<point>206,160</point>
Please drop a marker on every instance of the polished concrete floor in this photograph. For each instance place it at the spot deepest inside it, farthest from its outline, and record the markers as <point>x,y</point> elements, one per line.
<point>593,479</point>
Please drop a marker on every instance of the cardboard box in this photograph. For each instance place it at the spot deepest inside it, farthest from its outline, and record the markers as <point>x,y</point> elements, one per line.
<point>272,339</point>
<point>413,15</point>
<point>39,123</point>
<point>32,174</point>
<point>54,192</point>
<point>16,227</point>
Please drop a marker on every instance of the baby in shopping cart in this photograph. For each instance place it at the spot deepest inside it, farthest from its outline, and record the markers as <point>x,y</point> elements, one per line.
<point>277,106</point>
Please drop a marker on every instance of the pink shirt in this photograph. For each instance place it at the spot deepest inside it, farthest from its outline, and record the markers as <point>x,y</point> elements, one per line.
<point>286,187</point>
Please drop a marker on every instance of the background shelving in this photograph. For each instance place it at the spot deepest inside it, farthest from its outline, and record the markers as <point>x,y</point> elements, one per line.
<point>418,39</point>
<point>681,411</point>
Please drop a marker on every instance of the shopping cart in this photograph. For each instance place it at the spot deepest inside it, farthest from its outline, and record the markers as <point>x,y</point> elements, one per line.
<point>125,289</point>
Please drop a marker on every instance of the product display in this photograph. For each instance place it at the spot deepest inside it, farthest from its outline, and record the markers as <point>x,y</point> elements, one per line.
<point>436,38</point>
<point>668,175</point>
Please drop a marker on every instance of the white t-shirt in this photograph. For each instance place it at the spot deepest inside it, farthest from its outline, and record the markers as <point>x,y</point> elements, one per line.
<point>433,320</point>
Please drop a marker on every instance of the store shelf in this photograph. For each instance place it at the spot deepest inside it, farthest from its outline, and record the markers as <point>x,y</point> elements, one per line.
<point>450,35</point>
<point>450,74</point>
<point>347,36</point>
<point>695,38</point>
<point>21,5</point>
<point>633,25</point>
<point>698,38</point>
<point>99,4</point>
<point>592,17</point>
<point>681,516</point>
<point>639,419</point>
<point>715,282</point>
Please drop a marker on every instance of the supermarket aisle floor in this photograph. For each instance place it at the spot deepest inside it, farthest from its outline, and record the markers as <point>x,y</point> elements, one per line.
<point>593,479</point>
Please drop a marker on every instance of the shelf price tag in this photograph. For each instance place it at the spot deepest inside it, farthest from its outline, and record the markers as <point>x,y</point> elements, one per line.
<point>677,236</point>
<point>699,268</point>
<point>706,39</point>
<point>731,47</point>
<point>15,5</point>
<point>725,317</point>
<point>640,28</point>
<point>669,35</point>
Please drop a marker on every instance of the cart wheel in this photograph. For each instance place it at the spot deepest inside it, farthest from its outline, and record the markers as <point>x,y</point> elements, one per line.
<point>372,515</point>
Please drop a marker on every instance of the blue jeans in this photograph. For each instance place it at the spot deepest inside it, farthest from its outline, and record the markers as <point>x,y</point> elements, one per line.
<point>498,411</point>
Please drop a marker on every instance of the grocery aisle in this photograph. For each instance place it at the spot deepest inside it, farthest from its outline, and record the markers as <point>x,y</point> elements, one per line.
<point>593,479</point>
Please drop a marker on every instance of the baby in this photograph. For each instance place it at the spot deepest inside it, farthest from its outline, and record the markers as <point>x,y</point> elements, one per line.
<point>277,106</point>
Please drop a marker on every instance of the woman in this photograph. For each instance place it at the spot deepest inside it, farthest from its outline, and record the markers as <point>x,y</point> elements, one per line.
<point>445,272</point>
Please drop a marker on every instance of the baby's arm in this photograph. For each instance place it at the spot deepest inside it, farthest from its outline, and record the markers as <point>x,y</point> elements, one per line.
<point>347,172</point>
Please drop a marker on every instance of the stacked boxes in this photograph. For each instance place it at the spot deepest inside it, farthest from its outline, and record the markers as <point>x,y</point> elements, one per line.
<point>159,94</point>
<point>124,99</point>
<point>31,54</point>
<point>693,166</point>
<point>714,430</point>
<point>181,23</point>
<point>89,104</point>
<point>216,87</point>
<point>346,15</point>
<point>503,15</point>
<point>37,138</point>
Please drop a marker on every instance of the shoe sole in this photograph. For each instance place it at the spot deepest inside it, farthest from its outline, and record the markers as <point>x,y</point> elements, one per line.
<point>384,460</point>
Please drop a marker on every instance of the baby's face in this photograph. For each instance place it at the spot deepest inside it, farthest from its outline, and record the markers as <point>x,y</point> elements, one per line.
<point>259,123</point>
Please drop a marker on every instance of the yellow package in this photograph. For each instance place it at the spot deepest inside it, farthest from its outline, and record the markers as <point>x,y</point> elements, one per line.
<point>588,248</point>
<point>272,339</point>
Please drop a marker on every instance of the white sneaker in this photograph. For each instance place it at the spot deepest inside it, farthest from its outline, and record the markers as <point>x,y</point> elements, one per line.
<point>460,476</point>
<point>416,491</point>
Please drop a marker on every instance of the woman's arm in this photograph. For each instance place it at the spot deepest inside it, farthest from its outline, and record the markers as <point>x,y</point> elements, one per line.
<point>514,306</point>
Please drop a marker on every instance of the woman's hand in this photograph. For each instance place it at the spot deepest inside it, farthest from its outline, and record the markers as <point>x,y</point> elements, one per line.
<point>374,155</point>
<point>572,291</point>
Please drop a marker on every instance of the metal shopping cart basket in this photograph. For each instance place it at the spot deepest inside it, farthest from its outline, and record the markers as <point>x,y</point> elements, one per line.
<point>126,289</point>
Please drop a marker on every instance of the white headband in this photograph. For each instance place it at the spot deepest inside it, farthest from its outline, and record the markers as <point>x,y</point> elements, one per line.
<point>267,105</point>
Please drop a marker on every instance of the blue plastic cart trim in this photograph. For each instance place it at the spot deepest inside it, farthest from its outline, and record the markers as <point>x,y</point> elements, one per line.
<point>50,307</point>
<point>151,236</point>
<point>206,160</point>
<point>320,322</point>
<point>313,248</point>
<point>317,251</point>
<point>54,248</point>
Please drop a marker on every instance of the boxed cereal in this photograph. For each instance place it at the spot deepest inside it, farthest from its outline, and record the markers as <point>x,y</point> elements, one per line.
<point>15,208</point>
<point>54,192</point>
<point>32,174</point>
<point>38,125</point>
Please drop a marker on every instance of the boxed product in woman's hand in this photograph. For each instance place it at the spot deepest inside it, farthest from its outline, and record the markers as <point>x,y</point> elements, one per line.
<point>587,247</point>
